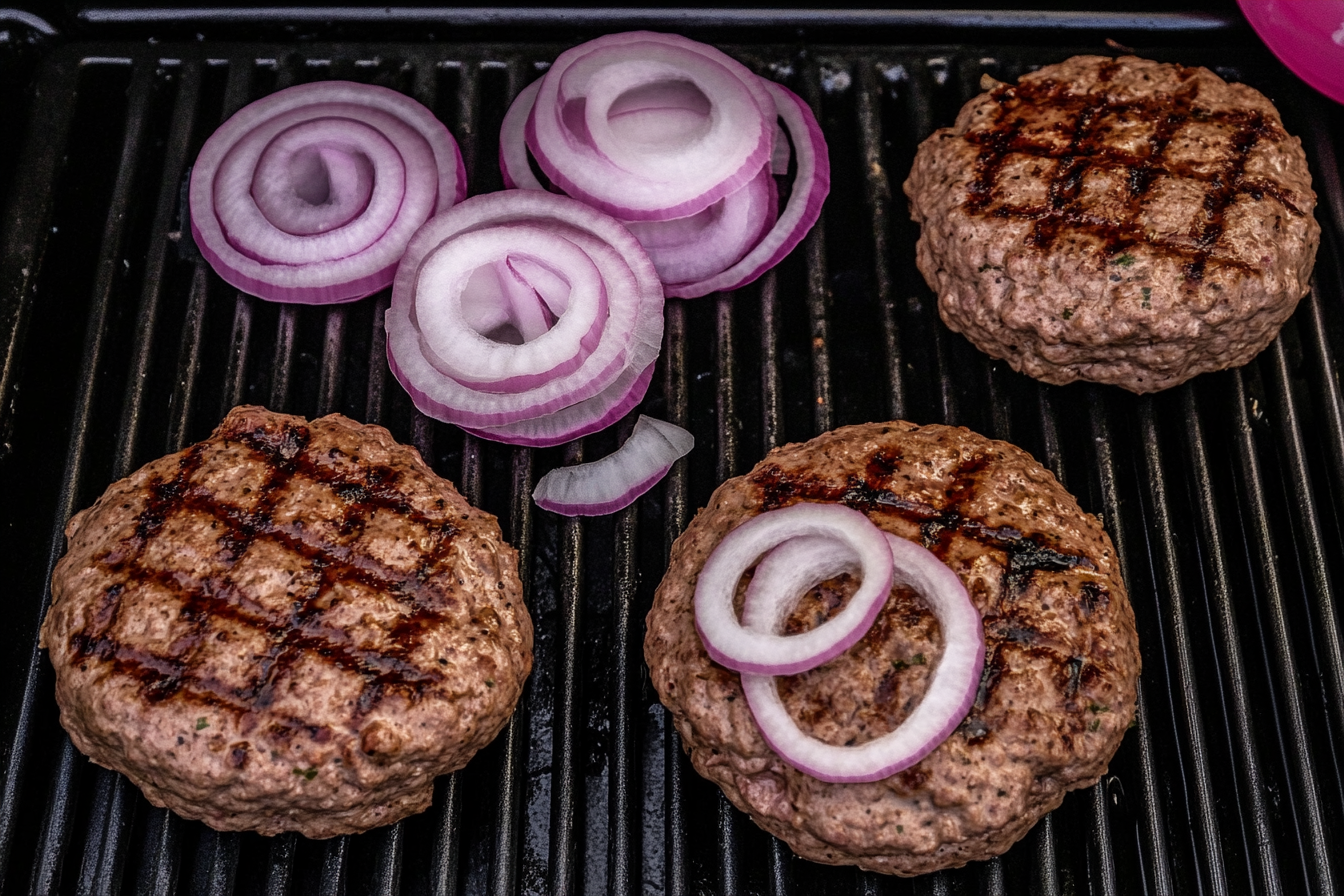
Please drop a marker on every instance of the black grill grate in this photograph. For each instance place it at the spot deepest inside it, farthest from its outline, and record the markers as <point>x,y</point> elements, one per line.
<point>1224,497</point>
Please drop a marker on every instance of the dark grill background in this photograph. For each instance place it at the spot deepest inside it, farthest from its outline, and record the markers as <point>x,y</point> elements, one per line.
<point>1223,496</point>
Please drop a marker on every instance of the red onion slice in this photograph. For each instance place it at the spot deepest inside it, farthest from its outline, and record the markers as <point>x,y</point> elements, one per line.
<point>513,158</point>
<point>578,420</point>
<point>731,644</point>
<point>615,481</point>
<point>312,193</point>
<point>810,187</point>
<point>713,239</point>
<point>740,235</point>
<point>788,572</point>
<point>683,249</point>
<point>472,357</point>
<point>649,126</point>
<point>475,392</point>
<point>944,705</point>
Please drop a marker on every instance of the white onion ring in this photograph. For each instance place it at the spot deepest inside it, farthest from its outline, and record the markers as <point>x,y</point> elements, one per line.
<point>736,647</point>
<point>615,481</point>
<point>495,397</point>
<point>950,694</point>
<point>312,193</point>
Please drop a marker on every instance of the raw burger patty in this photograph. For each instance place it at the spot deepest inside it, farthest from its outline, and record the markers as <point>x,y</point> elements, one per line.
<point>1116,220</point>
<point>1062,658</point>
<point>290,626</point>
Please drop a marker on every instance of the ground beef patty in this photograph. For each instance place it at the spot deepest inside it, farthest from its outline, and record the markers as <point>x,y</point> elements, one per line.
<point>1116,220</point>
<point>290,626</point>
<point>1062,658</point>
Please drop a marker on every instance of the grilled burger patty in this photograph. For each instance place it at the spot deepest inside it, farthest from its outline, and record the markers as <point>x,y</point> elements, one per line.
<point>290,626</point>
<point>1062,658</point>
<point>1116,220</point>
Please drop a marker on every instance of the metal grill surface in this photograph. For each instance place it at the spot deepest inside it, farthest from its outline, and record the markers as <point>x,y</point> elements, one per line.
<point>1224,497</point>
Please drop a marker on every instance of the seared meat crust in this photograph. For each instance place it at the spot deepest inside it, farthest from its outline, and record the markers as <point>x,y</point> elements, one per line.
<point>1116,220</point>
<point>1062,658</point>
<point>290,626</point>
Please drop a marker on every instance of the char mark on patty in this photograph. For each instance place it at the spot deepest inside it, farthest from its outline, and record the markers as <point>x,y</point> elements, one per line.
<point>302,632</point>
<point>1086,151</point>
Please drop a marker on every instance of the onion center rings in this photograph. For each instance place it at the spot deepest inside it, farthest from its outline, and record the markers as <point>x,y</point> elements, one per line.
<point>614,375</point>
<point>316,176</point>
<point>945,703</point>
<point>312,194</point>
<point>737,647</point>
<point>465,354</point>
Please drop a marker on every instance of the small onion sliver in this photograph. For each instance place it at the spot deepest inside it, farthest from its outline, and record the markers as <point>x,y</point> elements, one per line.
<point>614,482</point>
<point>945,703</point>
<point>810,187</point>
<point>736,647</point>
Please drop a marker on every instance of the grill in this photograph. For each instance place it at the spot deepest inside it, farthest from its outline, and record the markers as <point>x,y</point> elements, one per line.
<point>1224,496</point>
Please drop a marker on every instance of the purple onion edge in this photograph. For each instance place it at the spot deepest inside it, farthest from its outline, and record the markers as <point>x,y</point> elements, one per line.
<point>915,756</point>
<point>602,508</point>
<point>333,294</point>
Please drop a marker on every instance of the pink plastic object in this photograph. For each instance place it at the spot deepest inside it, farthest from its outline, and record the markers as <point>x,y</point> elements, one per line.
<point>1307,35</point>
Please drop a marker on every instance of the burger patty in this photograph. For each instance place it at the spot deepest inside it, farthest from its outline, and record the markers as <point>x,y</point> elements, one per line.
<point>1116,220</point>
<point>290,626</point>
<point>1062,659</point>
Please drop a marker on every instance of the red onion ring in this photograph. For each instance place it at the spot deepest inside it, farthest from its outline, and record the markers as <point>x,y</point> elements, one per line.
<point>649,126</point>
<point>713,239</point>
<point>810,187</point>
<point>682,249</point>
<point>562,382</point>
<point>615,481</point>
<point>949,696</point>
<point>312,193</point>
<point>733,645</point>
<point>471,357</point>
<point>729,242</point>
<point>513,157</point>
<point>578,420</point>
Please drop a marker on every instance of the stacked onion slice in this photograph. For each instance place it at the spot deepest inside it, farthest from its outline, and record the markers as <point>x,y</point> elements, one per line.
<point>798,548</point>
<point>311,194</point>
<point>681,143</point>
<point>525,317</point>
